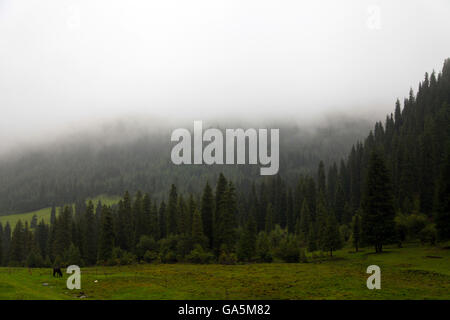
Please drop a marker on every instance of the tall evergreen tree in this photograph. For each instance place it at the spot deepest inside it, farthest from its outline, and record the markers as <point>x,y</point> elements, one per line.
<point>197,229</point>
<point>378,210</point>
<point>332,237</point>
<point>356,231</point>
<point>207,213</point>
<point>172,211</point>
<point>106,236</point>
<point>89,238</point>
<point>443,203</point>
<point>247,242</point>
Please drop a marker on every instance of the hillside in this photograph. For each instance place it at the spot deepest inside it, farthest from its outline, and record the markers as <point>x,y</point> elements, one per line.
<point>44,213</point>
<point>117,160</point>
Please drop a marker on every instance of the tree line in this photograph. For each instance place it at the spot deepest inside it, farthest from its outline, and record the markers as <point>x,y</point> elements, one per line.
<point>392,187</point>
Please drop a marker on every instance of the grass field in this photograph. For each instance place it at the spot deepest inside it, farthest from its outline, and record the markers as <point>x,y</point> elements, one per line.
<point>45,212</point>
<point>406,273</point>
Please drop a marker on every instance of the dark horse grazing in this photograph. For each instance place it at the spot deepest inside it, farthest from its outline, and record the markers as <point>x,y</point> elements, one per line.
<point>57,272</point>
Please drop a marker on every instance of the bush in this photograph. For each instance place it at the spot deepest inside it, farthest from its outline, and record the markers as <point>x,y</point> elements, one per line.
<point>227,258</point>
<point>73,256</point>
<point>288,250</point>
<point>263,248</point>
<point>302,256</point>
<point>428,234</point>
<point>345,232</point>
<point>34,260</point>
<point>199,255</point>
<point>410,226</point>
<point>146,243</point>
<point>151,256</point>
<point>168,249</point>
<point>128,258</point>
<point>169,257</point>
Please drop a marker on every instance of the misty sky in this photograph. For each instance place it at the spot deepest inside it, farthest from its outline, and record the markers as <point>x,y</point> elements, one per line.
<point>76,63</point>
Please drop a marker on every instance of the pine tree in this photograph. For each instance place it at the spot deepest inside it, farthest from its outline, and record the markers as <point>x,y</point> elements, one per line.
<point>356,231</point>
<point>33,222</point>
<point>53,215</point>
<point>290,211</point>
<point>247,243</point>
<point>6,243</point>
<point>207,213</point>
<point>378,210</point>
<point>162,221</point>
<point>227,225</point>
<point>63,234</point>
<point>128,222</point>
<point>41,238</point>
<point>18,245</point>
<point>73,255</point>
<point>172,211</point>
<point>332,238</point>
<point>443,203</point>
<point>269,219</point>
<point>89,239</point>
<point>305,219</point>
<point>197,229</point>
<point>139,222</point>
<point>182,213</point>
<point>220,212</point>
<point>312,238</point>
<point>321,178</point>
<point>106,236</point>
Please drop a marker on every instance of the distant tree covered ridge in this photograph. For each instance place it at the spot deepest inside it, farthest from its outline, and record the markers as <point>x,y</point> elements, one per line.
<point>87,167</point>
<point>393,187</point>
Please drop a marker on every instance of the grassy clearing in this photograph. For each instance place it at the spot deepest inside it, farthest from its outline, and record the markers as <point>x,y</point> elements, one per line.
<point>45,212</point>
<point>406,273</point>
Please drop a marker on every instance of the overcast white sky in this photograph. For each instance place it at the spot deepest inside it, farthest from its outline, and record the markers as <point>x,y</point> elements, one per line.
<point>67,62</point>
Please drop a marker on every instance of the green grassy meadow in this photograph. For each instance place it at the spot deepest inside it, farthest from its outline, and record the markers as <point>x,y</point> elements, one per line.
<point>45,212</point>
<point>414,272</point>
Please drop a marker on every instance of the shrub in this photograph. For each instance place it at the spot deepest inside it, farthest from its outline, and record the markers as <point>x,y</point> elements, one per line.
<point>151,256</point>
<point>263,248</point>
<point>146,243</point>
<point>199,255</point>
<point>288,250</point>
<point>428,234</point>
<point>34,260</point>
<point>169,257</point>
<point>227,258</point>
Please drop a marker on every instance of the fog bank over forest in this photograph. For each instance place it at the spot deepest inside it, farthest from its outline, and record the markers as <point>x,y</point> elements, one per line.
<point>98,133</point>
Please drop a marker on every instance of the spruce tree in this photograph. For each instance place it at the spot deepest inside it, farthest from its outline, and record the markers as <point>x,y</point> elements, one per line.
<point>269,219</point>
<point>172,211</point>
<point>356,231</point>
<point>332,238</point>
<point>227,225</point>
<point>220,212</point>
<point>53,215</point>
<point>378,210</point>
<point>443,203</point>
<point>106,236</point>
<point>162,221</point>
<point>63,234</point>
<point>6,243</point>
<point>247,242</point>
<point>197,229</point>
<point>18,244</point>
<point>207,213</point>
<point>89,238</point>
